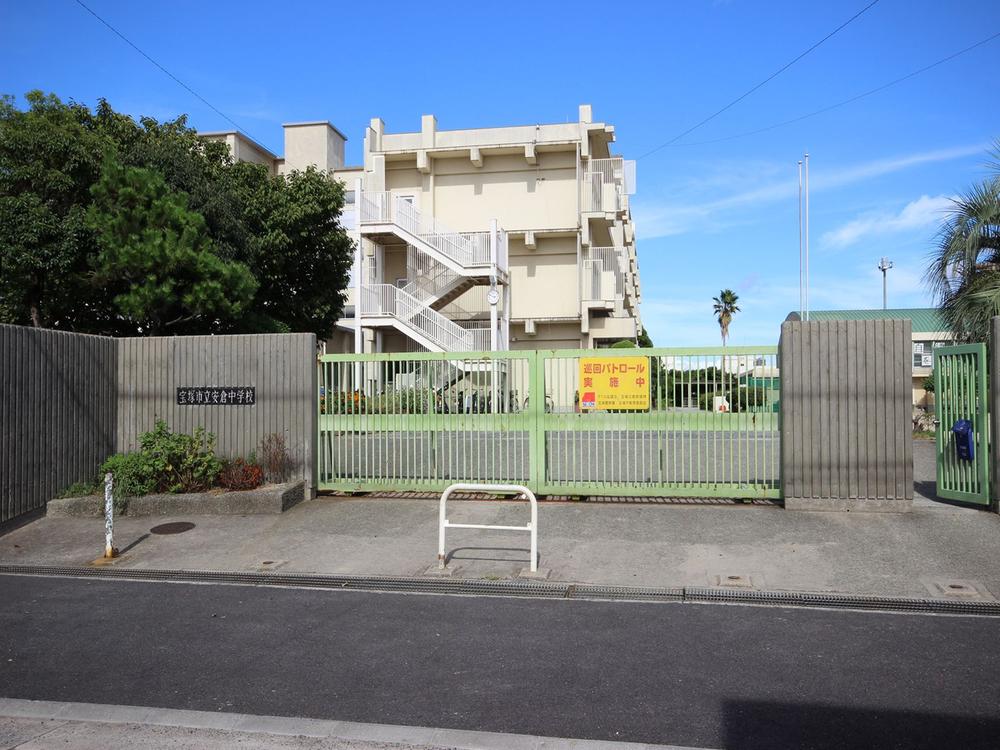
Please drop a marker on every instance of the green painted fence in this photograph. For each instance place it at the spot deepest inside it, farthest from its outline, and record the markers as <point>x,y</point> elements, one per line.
<point>398,422</point>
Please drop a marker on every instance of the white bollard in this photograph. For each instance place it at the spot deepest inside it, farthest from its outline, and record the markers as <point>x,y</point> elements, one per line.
<point>109,517</point>
<point>444,523</point>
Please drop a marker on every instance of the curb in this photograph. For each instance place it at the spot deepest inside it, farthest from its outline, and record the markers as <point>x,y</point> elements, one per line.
<point>332,729</point>
<point>527,589</point>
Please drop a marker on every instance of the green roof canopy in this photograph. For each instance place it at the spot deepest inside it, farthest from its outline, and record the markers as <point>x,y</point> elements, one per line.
<point>923,319</point>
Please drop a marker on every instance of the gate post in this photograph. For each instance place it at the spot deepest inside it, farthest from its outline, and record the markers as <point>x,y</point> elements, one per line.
<point>847,405</point>
<point>993,399</point>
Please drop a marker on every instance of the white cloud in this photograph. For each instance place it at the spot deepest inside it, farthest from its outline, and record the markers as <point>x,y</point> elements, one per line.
<point>925,211</point>
<point>663,218</point>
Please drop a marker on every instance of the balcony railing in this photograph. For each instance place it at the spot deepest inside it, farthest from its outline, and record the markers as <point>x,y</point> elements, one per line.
<point>604,272</point>
<point>378,299</point>
<point>607,183</point>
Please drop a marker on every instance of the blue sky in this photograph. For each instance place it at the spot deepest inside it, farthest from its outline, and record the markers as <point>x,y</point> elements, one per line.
<point>708,216</point>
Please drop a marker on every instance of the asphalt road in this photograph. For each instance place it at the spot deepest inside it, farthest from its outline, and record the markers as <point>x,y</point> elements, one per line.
<point>686,674</point>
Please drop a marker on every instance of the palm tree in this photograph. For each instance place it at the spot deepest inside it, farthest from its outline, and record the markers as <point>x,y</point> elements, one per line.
<point>964,275</point>
<point>725,308</point>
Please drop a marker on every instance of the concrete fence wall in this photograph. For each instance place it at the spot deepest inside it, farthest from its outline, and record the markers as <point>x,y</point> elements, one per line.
<point>68,401</point>
<point>846,433</point>
<point>280,368</point>
<point>57,413</point>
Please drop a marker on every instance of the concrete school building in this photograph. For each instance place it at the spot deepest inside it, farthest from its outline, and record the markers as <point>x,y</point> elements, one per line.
<point>929,331</point>
<point>482,239</point>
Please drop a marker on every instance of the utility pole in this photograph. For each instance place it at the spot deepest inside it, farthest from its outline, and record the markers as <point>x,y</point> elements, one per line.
<point>884,265</point>
<point>802,305</point>
<point>807,234</point>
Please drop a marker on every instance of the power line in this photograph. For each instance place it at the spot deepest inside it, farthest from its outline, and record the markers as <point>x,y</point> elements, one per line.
<point>875,90</point>
<point>177,80</point>
<point>771,77</point>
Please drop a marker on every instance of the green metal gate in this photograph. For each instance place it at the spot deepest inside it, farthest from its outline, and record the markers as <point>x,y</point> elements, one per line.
<point>708,427</point>
<point>960,386</point>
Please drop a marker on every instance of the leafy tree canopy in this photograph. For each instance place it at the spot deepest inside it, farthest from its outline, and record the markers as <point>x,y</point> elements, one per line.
<point>156,259</point>
<point>108,225</point>
<point>964,273</point>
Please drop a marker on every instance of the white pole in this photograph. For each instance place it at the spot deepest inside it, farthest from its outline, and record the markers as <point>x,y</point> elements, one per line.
<point>807,235</point>
<point>506,314</point>
<point>359,344</point>
<point>109,517</point>
<point>358,271</point>
<point>494,292</point>
<point>801,292</point>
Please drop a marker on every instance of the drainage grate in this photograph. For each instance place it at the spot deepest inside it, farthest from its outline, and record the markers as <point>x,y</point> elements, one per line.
<point>842,601</point>
<point>529,589</point>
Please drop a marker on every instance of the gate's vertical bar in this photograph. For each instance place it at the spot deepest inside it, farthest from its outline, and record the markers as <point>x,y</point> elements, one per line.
<point>536,395</point>
<point>983,423</point>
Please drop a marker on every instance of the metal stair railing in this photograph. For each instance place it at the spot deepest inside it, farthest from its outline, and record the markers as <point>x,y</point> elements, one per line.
<point>429,280</point>
<point>464,248</point>
<point>434,326</point>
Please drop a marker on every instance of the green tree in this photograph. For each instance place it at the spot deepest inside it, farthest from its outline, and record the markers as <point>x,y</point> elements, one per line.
<point>188,164</point>
<point>156,260</point>
<point>49,158</point>
<point>300,253</point>
<point>284,230</point>
<point>725,308</point>
<point>964,275</point>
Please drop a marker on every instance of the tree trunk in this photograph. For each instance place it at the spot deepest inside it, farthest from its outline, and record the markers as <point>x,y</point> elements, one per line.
<point>724,369</point>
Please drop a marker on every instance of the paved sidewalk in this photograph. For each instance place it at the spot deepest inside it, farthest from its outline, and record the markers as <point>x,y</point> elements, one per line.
<point>918,554</point>
<point>46,725</point>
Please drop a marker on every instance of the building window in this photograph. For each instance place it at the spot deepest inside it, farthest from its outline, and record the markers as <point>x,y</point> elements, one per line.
<point>923,353</point>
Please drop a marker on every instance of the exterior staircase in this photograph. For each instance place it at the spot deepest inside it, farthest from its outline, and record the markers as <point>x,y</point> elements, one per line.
<point>441,266</point>
<point>434,284</point>
<point>386,304</point>
<point>465,253</point>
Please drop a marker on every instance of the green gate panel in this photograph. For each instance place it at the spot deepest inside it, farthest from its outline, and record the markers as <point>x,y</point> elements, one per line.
<point>419,422</point>
<point>960,384</point>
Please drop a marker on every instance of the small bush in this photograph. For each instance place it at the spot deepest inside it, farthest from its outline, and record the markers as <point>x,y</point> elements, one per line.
<point>240,474</point>
<point>274,458</point>
<point>402,401</point>
<point>132,476</point>
<point>80,489</point>
<point>180,462</point>
<point>740,400</point>
<point>345,402</point>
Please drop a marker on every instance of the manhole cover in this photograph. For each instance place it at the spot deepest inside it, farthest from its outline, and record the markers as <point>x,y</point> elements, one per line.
<point>176,527</point>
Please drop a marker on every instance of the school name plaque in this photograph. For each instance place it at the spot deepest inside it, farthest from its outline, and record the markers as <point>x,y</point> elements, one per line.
<point>231,395</point>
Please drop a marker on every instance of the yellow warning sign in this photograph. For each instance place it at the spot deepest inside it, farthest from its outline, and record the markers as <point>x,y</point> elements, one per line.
<point>614,383</point>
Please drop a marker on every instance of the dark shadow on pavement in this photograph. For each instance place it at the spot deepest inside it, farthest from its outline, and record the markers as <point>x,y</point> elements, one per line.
<point>929,491</point>
<point>764,724</point>
<point>134,544</point>
<point>453,554</point>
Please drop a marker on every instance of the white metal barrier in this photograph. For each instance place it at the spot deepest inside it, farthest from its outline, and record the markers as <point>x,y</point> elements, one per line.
<point>444,523</point>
